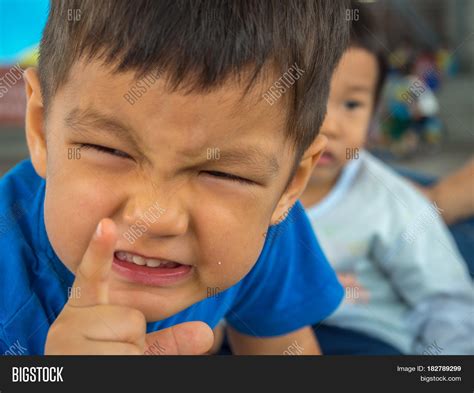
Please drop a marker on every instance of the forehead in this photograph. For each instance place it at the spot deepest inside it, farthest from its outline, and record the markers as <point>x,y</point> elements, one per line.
<point>225,115</point>
<point>357,67</point>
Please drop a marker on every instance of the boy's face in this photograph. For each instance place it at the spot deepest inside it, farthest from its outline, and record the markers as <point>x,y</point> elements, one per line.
<point>167,180</point>
<point>350,107</point>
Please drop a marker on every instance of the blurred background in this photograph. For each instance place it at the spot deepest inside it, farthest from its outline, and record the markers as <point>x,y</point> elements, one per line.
<point>430,39</point>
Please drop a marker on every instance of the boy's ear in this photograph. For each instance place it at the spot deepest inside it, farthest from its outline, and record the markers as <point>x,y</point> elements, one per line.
<point>35,135</point>
<point>301,177</point>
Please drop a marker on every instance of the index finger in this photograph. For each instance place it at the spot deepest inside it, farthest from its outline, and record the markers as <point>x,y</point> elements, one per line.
<point>91,286</point>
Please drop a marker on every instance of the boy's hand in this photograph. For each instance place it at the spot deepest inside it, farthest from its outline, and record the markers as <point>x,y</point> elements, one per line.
<point>88,324</point>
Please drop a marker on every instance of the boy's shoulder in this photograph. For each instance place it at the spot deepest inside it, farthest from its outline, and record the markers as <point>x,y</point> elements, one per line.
<point>21,196</point>
<point>382,205</point>
<point>370,183</point>
<point>20,192</point>
<point>399,216</point>
<point>18,187</point>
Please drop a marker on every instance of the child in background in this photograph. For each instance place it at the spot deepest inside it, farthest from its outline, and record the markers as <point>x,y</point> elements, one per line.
<point>407,287</point>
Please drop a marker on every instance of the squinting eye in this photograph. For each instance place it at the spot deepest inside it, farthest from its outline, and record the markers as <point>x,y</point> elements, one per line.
<point>228,176</point>
<point>352,104</point>
<point>103,149</point>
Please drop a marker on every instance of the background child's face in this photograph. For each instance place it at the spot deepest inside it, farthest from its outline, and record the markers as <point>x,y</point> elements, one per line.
<point>171,167</point>
<point>349,110</point>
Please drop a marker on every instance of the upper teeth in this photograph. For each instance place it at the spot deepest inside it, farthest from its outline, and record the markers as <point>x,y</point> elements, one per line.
<point>138,260</point>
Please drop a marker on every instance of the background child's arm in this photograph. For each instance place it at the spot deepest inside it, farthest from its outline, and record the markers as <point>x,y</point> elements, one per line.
<point>454,194</point>
<point>299,342</point>
<point>428,273</point>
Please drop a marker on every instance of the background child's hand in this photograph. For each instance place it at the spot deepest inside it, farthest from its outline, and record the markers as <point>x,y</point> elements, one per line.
<point>88,324</point>
<point>354,291</point>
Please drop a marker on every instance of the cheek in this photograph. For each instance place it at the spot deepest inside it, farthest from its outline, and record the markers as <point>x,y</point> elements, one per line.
<point>355,131</point>
<point>73,207</point>
<point>230,239</point>
<point>229,261</point>
<point>358,136</point>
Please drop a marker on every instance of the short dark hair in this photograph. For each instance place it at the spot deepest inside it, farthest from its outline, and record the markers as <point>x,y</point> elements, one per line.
<point>200,43</point>
<point>365,34</point>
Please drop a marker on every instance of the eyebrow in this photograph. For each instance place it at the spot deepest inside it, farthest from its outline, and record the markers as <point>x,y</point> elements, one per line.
<point>90,120</point>
<point>263,163</point>
<point>359,88</point>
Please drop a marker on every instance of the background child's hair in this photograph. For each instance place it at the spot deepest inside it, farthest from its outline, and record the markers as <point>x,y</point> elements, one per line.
<point>199,44</point>
<point>366,34</point>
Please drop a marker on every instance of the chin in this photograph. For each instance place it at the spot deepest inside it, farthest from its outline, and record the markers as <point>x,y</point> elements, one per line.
<point>154,308</point>
<point>323,175</point>
<point>155,303</point>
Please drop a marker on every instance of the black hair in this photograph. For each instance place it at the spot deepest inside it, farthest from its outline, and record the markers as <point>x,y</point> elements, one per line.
<point>199,44</point>
<point>365,34</point>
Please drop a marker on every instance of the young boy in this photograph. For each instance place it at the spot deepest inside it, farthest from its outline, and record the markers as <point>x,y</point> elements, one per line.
<point>407,288</point>
<point>158,163</point>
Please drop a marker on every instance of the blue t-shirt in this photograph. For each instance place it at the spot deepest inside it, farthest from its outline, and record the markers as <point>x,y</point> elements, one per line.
<point>291,285</point>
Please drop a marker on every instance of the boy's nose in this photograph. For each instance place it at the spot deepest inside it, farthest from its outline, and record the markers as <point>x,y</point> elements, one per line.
<point>157,216</point>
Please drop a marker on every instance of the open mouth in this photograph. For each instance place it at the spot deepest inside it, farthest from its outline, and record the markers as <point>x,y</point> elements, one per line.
<point>149,271</point>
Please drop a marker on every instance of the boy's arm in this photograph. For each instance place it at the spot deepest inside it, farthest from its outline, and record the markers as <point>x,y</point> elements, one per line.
<point>299,342</point>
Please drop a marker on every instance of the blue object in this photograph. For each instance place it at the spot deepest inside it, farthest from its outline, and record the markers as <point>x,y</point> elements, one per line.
<point>291,285</point>
<point>463,233</point>
<point>338,341</point>
<point>21,25</point>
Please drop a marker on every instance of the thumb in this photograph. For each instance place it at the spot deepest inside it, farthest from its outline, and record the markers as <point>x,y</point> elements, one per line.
<point>189,338</point>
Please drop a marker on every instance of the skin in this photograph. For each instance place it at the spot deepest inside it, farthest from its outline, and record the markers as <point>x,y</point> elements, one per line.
<point>350,108</point>
<point>349,111</point>
<point>454,194</point>
<point>210,222</point>
<point>91,324</point>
